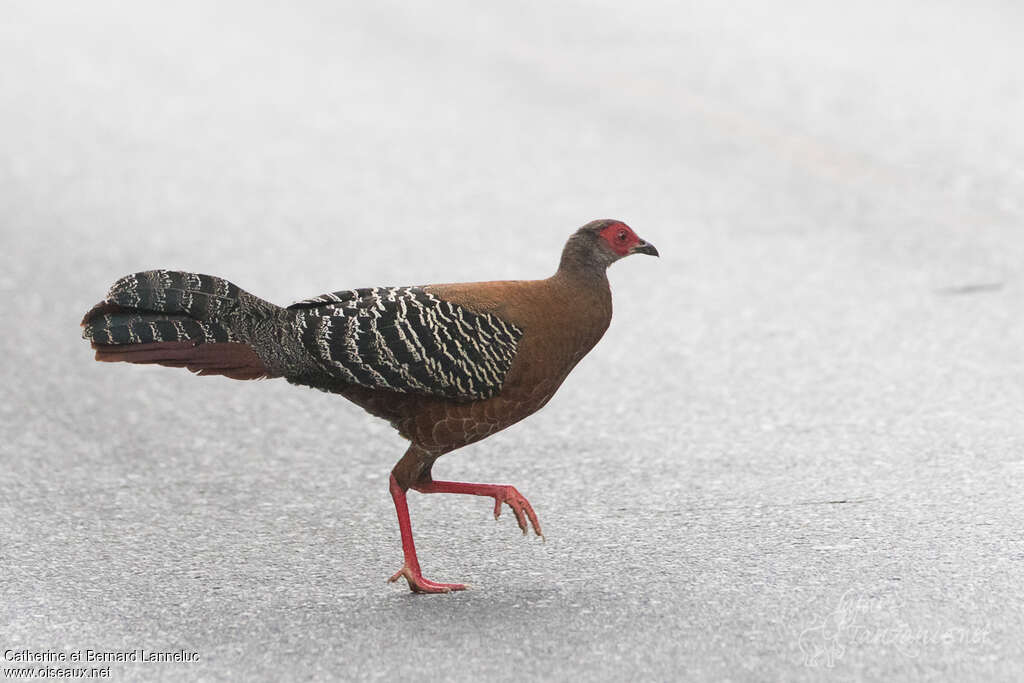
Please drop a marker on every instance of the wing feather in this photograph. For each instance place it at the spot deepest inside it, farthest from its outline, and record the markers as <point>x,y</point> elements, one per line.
<point>407,340</point>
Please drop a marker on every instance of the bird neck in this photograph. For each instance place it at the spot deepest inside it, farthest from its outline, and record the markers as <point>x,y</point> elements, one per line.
<point>585,279</point>
<point>581,262</point>
<point>585,300</point>
<point>583,273</point>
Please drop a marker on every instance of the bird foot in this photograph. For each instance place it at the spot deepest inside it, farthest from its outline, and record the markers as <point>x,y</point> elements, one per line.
<point>417,584</point>
<point>520,506</point>
<point>501,493</point>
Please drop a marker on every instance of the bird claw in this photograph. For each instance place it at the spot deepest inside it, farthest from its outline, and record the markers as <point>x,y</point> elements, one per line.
<point>417,584</point>
<point>520,506</point>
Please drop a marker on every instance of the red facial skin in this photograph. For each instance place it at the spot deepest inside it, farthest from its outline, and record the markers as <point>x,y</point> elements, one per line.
<point>620,237</point>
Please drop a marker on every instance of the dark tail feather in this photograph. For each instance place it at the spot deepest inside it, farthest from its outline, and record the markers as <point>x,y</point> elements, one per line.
<point>177,319</point>
<point>143,327</point>
<point>234,360</point>
<point>201,297</point>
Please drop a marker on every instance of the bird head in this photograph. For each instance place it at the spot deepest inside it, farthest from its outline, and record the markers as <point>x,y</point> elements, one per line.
<point>598,244</point>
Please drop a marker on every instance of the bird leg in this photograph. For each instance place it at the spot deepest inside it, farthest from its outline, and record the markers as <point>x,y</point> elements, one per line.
<point>411,569</point>
<point>501,493</point>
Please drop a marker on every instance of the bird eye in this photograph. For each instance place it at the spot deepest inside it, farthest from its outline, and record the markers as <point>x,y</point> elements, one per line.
<point>621,236</point>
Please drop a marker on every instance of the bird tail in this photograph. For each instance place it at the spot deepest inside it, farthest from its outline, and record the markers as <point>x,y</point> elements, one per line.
<point>177,319</point>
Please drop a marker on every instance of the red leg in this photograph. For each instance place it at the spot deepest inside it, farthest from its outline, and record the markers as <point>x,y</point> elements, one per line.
<point>411,569</point>
<point>501,493</point>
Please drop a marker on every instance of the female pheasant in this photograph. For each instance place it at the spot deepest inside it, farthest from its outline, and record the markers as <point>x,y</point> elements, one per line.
<point>446,365</point>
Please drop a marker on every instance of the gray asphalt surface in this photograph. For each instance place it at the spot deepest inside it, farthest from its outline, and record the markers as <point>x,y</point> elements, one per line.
<point>797,454</point>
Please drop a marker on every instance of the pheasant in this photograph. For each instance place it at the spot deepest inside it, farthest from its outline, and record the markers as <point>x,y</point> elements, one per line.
<point>446,365</point>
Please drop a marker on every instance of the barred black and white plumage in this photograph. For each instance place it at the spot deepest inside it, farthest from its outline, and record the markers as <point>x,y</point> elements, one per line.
<point>136,328</point>
<point>405,339</point>
<point>200,322</point>
<point>400,339</point>
<point>163,306</point>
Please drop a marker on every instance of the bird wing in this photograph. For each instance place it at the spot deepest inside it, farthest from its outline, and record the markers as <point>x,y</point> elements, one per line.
<point>408,340</point>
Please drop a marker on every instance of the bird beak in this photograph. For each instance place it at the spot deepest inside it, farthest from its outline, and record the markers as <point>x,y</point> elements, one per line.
<point>643,247</point>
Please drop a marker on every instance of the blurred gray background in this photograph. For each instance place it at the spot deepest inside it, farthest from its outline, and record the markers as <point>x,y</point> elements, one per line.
<point>796,455</point>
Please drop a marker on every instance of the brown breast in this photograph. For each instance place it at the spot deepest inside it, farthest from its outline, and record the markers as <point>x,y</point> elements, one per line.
<point>561,321</point>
